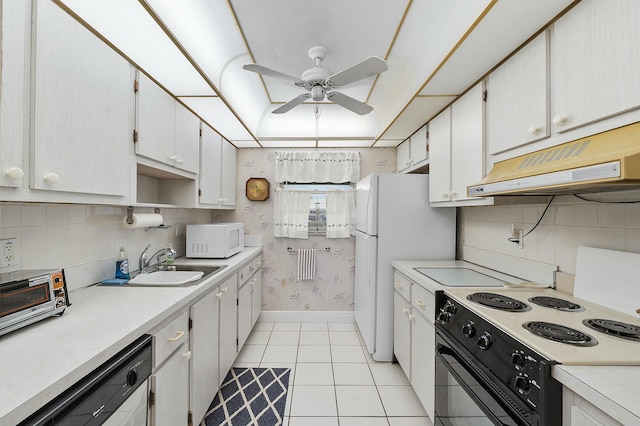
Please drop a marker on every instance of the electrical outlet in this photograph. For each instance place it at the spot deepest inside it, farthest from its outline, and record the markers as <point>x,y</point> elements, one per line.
<point>8,253</point>
<point>517,235</point>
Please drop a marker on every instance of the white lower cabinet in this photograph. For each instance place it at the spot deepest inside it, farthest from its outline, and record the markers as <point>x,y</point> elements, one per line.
<point>414,338</point>
<point>577,411</point>
<point>169,403</point>
<point>244,312</point>
<point>204,373</point>
<point>227,293</point>
<point>249,298</point>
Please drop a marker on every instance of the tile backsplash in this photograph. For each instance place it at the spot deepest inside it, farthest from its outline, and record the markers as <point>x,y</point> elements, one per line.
<point>84,239</point>
<point>570,222</point>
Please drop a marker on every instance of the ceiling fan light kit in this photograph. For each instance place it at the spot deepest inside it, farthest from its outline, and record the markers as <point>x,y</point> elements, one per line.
<point>320,82</point>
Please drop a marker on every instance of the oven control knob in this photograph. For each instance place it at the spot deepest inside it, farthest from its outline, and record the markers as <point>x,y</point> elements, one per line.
<point>443,316</point>
<point>518,359</point>
<point>468,329</point>
<point>522,382</point>
<point>484,342</point>
<point>450,308</point>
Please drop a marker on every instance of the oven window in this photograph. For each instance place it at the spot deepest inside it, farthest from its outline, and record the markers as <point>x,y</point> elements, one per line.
<point>12,301</point>
<point>461,399</point>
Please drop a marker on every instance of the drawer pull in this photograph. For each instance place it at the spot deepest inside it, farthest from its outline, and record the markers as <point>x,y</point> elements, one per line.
<point>419,303</point>
<point>400,286</point>
<point>178,336</point>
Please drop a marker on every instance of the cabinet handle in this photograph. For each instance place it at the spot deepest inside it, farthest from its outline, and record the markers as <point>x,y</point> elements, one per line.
<point>419,303</point>
<point>51,178</point>
<point>559,119</point>
<point>178,336</point>
<point>533,130</point>
<point>187,354</point>
<point>399,286</point>
<point>15,173</point>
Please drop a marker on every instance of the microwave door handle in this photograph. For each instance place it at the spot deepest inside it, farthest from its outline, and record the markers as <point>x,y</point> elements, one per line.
<point>440,349</point>
<point>15,285</point>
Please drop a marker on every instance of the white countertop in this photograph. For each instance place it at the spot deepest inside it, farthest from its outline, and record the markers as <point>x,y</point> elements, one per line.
<point>613,389</point>
<point>40,361</point>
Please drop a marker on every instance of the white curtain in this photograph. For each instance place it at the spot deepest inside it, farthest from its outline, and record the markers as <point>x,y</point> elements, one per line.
<point>341,211</point>
<point>291,213</point>
<point>317,167</point>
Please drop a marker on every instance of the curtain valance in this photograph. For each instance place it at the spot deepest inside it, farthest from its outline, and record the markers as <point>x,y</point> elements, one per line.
<point>317,167</point>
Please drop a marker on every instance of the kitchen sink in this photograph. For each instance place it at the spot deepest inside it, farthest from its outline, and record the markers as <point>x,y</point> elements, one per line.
<point>182,276</point>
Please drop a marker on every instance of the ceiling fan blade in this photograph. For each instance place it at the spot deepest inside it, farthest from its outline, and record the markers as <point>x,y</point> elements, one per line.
<point>271,73</point>
<point>349,103</point>
<point>363,69</point>
<point>292,103</point>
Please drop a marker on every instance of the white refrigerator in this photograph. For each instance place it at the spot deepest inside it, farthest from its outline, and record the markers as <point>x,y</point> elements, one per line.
<point>393,222</point>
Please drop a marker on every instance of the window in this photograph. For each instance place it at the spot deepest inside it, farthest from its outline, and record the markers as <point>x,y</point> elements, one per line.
<point>317,203</point>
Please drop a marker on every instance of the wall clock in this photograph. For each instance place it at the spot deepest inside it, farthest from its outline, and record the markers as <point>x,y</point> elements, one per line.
<point>257,189</point>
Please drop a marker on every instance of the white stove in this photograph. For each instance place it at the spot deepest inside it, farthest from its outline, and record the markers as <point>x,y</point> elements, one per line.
<point>571,341</point>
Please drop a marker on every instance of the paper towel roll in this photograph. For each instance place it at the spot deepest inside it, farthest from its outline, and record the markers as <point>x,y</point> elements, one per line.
<point>143,220</point>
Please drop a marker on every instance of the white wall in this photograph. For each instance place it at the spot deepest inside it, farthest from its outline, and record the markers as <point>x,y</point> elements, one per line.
<point>85,239</point>
<point>568,223</point>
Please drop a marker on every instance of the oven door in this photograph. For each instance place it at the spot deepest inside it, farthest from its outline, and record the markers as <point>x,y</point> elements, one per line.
<point>465,395</point>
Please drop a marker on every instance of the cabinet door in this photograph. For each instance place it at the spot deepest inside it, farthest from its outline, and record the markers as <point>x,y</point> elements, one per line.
<point>14,113</point>
<point>518,98</point>
<point>404,155</point>
<point>402,332</point>
<point>423,341</point>
<point>228,177</point>
<point>467,142</point>
<point>82,111</point>
<point>155,121</point>
<point>596,61</point>
<point>227,292</point>
<point>419,146</point>
<point>256,296</point>
<point>170,384</point>
<point>210,165</point>
<point>244,314</point>
<point>187,140</point>
<point>204,353</point>
<point>440,157</point>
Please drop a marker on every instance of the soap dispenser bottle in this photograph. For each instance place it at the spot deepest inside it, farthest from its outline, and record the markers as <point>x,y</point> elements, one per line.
<point>122,264</point>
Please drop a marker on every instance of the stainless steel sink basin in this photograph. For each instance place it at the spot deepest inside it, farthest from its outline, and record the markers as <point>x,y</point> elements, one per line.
<point>175,276</point>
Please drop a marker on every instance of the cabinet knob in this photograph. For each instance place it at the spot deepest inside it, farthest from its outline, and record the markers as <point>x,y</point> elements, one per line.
<point>445,196</point>
<point>533,130</point>
<point>51,178</point>
<point>14,173</point>
<point>411,317</point>
<point>173,158</point>
<point>454,195</point>
<point>179,160</point>
<point>399,286</point>
<point>219,295</point>
<point>559,119</point>
<point>187,354</point>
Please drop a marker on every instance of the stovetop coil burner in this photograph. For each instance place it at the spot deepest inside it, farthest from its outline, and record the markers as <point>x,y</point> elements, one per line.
<point>614,328</point>
<point>559,333</point>
<point>556,303</point>
<point>498,301</point>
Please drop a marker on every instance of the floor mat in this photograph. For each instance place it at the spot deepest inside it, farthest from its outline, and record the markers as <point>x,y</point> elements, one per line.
<point>250,396</point>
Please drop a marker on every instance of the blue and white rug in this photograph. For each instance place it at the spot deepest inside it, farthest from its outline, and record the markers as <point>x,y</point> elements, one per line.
<point>250,396</point>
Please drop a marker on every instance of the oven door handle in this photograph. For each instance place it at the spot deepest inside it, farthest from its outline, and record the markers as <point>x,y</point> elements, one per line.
<point>440,350</point>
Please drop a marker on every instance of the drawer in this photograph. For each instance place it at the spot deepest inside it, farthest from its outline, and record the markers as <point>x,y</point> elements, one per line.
<point>402,285</point>
<point>257,264</point>
<point>424,302</point>
<point>169,338</point>
<point>245,273</point>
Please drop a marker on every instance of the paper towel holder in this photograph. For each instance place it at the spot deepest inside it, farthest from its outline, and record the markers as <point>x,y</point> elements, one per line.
<point>156,210</point>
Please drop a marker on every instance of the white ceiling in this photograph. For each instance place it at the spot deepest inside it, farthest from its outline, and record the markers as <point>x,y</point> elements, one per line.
<point>195,49</point>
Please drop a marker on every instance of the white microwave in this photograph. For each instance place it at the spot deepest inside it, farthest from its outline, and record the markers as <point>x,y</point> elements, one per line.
<point>215,240</point>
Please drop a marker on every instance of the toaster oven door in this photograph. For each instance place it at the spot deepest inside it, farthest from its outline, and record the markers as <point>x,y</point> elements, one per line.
<point>23,300</point>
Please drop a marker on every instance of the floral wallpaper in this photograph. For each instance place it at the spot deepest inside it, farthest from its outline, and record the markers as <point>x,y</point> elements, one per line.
<point>332,288</point>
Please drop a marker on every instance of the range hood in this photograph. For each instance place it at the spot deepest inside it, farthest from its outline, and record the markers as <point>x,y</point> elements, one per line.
<point>607,161</point>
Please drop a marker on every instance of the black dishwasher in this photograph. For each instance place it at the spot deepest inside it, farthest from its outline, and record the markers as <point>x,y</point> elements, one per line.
<point>100,395</point>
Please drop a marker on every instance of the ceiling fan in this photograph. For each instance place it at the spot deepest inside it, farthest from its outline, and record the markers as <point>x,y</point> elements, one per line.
<point>320,82</point>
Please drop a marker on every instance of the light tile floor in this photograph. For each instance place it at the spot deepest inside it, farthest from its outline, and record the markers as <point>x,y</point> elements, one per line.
<point>333,381</point>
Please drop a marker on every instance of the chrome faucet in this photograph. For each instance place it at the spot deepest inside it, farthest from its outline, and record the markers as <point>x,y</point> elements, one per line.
<point>144,264</point>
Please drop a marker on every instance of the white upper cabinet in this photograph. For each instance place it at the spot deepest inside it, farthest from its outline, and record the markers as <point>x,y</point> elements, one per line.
<point>518,98</point>
<point>413,152</point>
<point>217,171</point>
<point>14,113</point>
<point>596,61</point>
<point>82,106</point>
<point>167,132</point>
<point>457,151</point>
